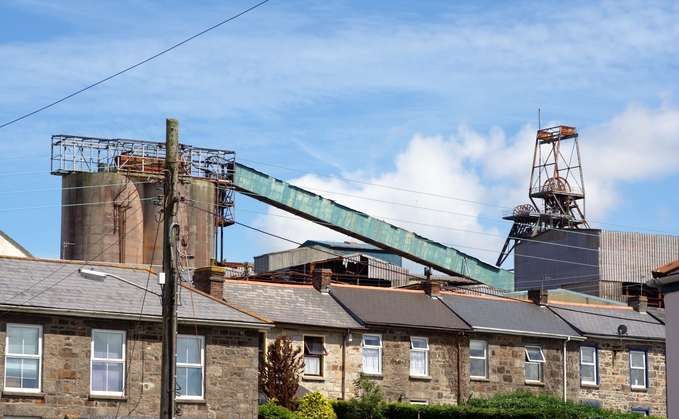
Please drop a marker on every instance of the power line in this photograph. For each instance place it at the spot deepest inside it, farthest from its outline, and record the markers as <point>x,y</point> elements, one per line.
<point>134,66</point>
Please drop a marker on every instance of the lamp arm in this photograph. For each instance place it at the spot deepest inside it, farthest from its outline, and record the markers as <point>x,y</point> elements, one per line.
<point>134,285</point>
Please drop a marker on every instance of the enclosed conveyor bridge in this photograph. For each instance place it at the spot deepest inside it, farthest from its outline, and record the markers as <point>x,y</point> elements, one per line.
<point>370,230</point>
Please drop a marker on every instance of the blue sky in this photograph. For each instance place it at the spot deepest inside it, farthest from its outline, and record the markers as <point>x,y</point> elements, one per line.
<point>379,106</point>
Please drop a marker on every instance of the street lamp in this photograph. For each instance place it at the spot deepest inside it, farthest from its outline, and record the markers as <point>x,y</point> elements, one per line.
<point>99,276</point>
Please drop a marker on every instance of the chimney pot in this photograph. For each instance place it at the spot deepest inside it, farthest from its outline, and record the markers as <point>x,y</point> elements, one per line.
<point>210,280</point>
<point>539,297</point>
<point>320,278</point>
<point>432,289</point>
<point>638,302</point>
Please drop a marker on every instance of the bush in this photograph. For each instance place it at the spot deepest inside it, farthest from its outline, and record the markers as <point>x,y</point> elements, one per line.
<point>273,411</point>
<point>368,402</point>
<point>315,406</point>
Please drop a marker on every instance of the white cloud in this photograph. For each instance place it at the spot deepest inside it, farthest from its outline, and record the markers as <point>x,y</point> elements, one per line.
<point>478,173</point>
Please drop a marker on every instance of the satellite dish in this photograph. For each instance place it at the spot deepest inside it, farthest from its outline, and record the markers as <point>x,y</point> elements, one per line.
<point>622,330</point>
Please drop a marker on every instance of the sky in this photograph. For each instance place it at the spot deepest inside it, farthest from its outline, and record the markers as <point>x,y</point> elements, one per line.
<point>423,114</point>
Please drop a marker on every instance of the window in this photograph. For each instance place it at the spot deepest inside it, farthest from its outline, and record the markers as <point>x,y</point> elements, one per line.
<point>637,369</point>
<point>23,358</point>
<point>534,360</point>
<point>190,366</point>
<point>372,354</point>
<point>645,411</point>
<point>419,356</point>
<point>478,358</point>
<point>314,351</point>
<point>588,365</point>
<point>108,362</point>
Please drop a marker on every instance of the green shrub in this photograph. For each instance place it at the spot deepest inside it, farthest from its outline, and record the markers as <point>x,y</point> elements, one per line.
<point>368,402</point>
<point>273,411</point>
<point>315,406</point>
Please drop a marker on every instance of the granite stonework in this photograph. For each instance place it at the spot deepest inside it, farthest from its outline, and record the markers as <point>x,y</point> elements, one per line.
<point>439,387</point>
<point>507,366</point>
<point>230,371</point>
<point>614,391</point>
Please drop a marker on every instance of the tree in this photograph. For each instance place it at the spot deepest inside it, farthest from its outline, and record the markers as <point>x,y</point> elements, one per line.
<point>279,372</point>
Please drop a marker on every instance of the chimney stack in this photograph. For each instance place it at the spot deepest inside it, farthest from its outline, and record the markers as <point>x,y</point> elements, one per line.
<point>210,280</point>
<point>539,297</point>
<point>638,302</point>
<point>432,289</point>
<point>320,278</point>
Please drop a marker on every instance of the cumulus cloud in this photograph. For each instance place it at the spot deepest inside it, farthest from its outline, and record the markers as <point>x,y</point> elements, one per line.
<point>453,190</point>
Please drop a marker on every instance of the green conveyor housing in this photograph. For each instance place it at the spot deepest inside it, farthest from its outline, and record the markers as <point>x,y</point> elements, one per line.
<point>367,229</point>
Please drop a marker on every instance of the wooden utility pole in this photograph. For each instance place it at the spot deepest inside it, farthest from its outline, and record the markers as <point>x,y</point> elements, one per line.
<point>168,383</point>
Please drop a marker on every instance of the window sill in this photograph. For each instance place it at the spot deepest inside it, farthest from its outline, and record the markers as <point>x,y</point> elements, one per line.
<point>374,374</point>
<point>484,379</point>
<point>420,377</point>
<point>23,394</point>
<point>639,389</point>
<point>313,378</point>
<point>534,383</point>
<point>589,385</point>
<point>179,400</point>
<point>121,398</point>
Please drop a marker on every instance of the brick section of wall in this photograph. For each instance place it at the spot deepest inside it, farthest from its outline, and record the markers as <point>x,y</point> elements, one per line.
<point>507,366</point>
<point>230,382</point>
<point>614,390</point>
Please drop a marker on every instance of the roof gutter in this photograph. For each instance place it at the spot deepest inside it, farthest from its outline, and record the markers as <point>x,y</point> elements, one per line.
<point>531,334</point>
<point>663,281</point>
<point>628,338</point>
<point>136,317</point>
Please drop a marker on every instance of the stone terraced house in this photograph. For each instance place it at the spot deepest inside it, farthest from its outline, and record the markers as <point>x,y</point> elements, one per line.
<point>622,361</point>
<point>76,348</point>
<point>71,347</point>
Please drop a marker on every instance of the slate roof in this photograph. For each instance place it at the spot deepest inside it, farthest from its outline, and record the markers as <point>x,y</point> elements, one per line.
<point>51,286</point>
<point>289,303</point>
<point>507,315</point>
<point>395,307</point>
<point>658,313</point>
<point>604,321</point>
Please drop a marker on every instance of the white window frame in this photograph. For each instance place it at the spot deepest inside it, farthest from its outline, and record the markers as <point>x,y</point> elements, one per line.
<point>109,362</point>
<point>194,366</point>
<point>483,358</point>
<point>643,369</point>
<point>593,364</point>
<point>417,350</point>
<point>308,353</point>
<point>369,347</point>
<point>419,401</point>
<point>537,360</point>
<point>22,356</point>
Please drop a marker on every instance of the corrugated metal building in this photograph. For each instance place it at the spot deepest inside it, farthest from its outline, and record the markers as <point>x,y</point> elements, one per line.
<point>601,263</point>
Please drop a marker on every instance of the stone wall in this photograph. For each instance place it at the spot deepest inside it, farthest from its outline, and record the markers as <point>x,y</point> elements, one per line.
<point>614,390</point>
<point>507,366</point>
<point>230,376</point>
<point>331,382</point>
<point>440,387</point>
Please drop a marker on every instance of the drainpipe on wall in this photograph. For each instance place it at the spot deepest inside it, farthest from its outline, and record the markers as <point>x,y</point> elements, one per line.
<point>459,371</point>
<point>344,364</point>
<point>565,383</point>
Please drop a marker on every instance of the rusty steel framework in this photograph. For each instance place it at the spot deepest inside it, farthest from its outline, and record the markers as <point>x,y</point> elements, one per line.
<point>557,189</point>
<point>85,154</point>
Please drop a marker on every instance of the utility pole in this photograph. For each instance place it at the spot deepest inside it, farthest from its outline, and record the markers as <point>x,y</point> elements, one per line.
<point>168,383</point>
